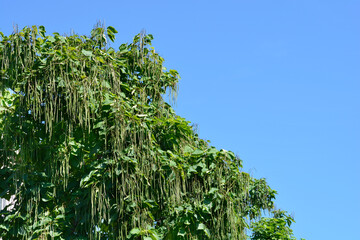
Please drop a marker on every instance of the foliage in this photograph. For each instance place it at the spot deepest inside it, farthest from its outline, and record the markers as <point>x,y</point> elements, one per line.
<point>90,149</point>
<point>275,228</point>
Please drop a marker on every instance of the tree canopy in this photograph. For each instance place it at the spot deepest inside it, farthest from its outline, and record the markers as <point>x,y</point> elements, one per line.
<point>91,150</point>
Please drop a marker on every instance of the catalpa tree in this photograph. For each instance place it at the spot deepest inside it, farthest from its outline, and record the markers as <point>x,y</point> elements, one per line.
<point>90,150</point>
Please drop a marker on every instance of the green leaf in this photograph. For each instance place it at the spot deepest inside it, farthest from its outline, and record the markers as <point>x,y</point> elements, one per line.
<point>188,149</point>
<point>112,29</point>
<point>201,226</point>
<point>111,33</point>
<point>213,190</point>
<point>42,31</point>
<point>207,232</point>
<point>2,226</point>
<point>135,231</point>
<point>55,234</point>
<point>212,150</point>
<point>150,37</point>
<point>197,152</point>
<point>87,53</point>
<point>100,125</point>
<point>85,182</point>
<point>181,232</point>
<point>172,163</point>
<point>51,39</point>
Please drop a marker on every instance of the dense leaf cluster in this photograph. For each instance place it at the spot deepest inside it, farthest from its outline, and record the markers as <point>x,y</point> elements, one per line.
<point>276,227</point>
<point>90,150</point>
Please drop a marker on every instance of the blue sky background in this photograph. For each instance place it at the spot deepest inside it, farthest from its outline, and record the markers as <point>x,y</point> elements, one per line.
<point>277,82</point>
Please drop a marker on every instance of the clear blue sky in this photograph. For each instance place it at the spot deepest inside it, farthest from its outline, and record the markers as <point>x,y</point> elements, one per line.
<point>277,82</point>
